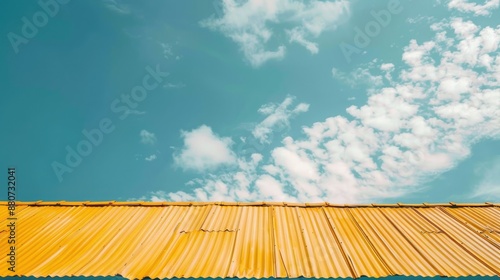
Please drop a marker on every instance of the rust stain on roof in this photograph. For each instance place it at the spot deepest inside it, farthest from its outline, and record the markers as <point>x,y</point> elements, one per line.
<point>252,239</point>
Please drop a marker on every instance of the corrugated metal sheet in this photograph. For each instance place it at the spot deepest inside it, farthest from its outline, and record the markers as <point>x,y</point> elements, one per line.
<point>252,240</point>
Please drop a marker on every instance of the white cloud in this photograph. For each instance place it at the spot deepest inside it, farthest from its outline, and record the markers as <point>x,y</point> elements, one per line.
<point>489,186</point>
<point>272,189</point>
<point>150,158</point>
<point>477,9</point>
<point>441,101</point>
<point>147,137</point>
<point>385,111</point>
<point>158,196</point>
<point>222,187</point>
<point>204,150</point>
<point>277,117</point>
<point>248,24</point>
<point>387,67</point>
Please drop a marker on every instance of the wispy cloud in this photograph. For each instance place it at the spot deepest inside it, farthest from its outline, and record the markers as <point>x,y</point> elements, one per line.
<point>117,6</point>
<point>420,18</point>
<point>133,112</point>
<point>147,137</point>
<point>249,23</point>
<point>142,198</point>
<point>296,35</point>
<point>150,158</point>
<point>277,117</point>
<point>474,8</point>
<point>358,77</point>
<point>204,150</point>
<point>488,188</point>
<point>173,86</point>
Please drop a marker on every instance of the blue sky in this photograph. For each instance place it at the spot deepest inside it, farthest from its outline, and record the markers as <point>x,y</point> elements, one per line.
<point>339,101</point>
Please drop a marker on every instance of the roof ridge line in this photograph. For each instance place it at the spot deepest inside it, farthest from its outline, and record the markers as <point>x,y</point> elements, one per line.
<point>263,203</point>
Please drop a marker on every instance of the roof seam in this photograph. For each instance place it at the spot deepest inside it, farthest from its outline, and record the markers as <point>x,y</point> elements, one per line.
<point>276,248</point>
<point>211,210</point>
<point>339,244</point>
<point>459,244</point>
<point>372,247</point>
<point>232,254</point>
<point>304,239</point>
<point>411,243</point>
<point>469,227</point>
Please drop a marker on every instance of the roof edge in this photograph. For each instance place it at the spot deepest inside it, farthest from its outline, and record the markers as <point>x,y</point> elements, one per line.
<point>222,203</point>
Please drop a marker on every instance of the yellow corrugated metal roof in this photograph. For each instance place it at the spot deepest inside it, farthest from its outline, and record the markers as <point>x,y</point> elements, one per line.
<point>252,240</point>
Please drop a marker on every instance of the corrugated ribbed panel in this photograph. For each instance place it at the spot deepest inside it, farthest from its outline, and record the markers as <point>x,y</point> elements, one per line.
<point>484,220</point>
<point>256,240</point>
<point>359,251</point>
<point>253,254</point>
<point>306,244</point>
<point>475,245</point>
<point>393,246</point>
<point>449,258</point>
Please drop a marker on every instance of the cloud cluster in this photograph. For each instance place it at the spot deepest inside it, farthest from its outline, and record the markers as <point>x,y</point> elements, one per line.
<point>476,9</point>
<point>421,123</point>
<point>248,24</point>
